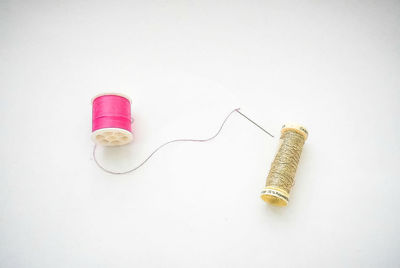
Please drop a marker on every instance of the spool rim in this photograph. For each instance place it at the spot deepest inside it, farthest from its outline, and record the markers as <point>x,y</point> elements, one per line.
<point>123,136</point>
<point>275,196</point>
<point>295,127</point>
<point>112,94</point>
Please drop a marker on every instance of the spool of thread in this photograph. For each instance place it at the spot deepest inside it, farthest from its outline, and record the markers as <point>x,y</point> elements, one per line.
<point>281,176</point>
<point>111,119</point>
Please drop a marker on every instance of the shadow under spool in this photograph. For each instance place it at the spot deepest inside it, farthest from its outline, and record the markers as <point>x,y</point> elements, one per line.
<point>281,176</point>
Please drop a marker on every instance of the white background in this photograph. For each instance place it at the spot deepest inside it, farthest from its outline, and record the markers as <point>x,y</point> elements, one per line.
<point>330,65</point>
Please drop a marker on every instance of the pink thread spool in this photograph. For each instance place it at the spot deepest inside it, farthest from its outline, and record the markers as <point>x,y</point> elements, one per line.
<point>111,119</point>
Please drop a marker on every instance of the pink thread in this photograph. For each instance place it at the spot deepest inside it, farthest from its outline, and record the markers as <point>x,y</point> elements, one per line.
<point>111,111</point>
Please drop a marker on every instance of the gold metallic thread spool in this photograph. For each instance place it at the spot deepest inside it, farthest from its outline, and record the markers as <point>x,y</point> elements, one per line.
<point>281,176</point>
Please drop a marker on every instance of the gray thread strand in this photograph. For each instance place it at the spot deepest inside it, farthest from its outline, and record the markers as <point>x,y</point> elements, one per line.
<point>162,145</point>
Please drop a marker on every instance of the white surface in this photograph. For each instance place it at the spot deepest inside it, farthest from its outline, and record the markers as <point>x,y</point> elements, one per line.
<point>332,66</point>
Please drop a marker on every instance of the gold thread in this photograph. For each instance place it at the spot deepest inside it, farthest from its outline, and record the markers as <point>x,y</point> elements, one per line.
<point>281,176</point>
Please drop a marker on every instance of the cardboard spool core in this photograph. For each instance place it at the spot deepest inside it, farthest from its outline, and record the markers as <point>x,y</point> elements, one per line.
<point>275,196</point>
<point>296,128</point>
<point>273,200</point>
<point>112,136</point>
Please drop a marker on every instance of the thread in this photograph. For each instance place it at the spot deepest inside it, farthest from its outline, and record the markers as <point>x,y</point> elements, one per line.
<point>111,119</point>
<point>281,176</point>
<point>161,146</point>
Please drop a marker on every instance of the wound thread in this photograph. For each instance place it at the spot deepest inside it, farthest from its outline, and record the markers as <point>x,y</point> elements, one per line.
<point>281,176</point>
<point>111,119</point>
